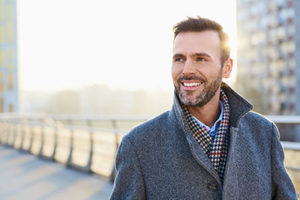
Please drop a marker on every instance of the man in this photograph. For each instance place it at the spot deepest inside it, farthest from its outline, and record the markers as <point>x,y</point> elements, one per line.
<point>210,145</point>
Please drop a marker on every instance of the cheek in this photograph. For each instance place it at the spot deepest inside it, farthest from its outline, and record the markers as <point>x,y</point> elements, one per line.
<point>176,71</point>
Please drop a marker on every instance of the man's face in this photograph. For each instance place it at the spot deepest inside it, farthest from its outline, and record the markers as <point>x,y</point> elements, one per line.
<point>196,68</point>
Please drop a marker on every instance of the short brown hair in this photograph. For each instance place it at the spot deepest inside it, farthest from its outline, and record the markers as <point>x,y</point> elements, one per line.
<point>200,24</point>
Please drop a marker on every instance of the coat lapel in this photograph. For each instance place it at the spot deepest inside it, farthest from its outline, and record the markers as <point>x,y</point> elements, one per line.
<point>241,108</point>
<point>201,157</point>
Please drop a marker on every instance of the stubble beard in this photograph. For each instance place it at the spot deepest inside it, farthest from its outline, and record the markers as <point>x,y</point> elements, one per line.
<point>208,92</point>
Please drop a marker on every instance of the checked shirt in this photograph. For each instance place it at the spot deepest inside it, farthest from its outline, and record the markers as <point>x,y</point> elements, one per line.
<point>216,148</point>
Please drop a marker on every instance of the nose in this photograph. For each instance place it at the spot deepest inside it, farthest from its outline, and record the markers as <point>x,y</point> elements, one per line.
<point>189,67</point>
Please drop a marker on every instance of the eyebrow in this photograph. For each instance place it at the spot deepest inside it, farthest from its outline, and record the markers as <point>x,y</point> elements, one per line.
<point>201,54</point>
<point>178,55</point>
<point>193,55</point>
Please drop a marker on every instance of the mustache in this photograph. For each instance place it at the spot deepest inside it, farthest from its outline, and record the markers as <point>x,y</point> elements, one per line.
<point>188,78</point>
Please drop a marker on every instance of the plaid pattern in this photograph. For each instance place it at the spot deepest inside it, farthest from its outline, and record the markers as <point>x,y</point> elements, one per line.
<point>216,149</point>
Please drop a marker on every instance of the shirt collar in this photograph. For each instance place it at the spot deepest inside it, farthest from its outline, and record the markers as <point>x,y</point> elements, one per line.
<point>213,128</point>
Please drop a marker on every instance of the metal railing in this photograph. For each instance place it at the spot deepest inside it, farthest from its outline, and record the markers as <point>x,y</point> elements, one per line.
<point>85,142</point>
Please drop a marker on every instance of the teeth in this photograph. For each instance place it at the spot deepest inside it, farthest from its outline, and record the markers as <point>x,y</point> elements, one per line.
<point>191,84</point>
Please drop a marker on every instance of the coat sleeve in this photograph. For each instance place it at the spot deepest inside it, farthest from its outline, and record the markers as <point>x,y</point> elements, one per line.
<point>282,186</point>
<point>129,183</point>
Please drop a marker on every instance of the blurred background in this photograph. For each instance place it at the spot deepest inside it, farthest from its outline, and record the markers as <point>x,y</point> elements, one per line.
<point>89,71</point>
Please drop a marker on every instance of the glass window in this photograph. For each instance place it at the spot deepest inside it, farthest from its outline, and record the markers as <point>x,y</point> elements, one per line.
<point>291,46</point>
<point>1,104</point>
<point>10,81</point>
<point>10,32</point>
<point>291,29</point>
<point>10,55</point>
<point>280,3</point>
<point>11,108</point>
<point>281,32</point>
<point>292,62</point>
<point>9,12</point>
<point>1,35</point>
<point>1,10</point>
<point>1,58</point>
<point>1,87</point>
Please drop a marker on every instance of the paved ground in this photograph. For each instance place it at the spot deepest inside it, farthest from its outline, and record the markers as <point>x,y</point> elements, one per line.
<point>23,176</point>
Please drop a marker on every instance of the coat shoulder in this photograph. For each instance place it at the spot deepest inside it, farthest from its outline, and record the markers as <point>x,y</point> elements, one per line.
<point>150,129</point>
<point>258,119</point>
<point>257,125</point>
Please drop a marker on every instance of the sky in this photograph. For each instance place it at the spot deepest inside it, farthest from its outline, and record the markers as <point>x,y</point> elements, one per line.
<point>69,44</point>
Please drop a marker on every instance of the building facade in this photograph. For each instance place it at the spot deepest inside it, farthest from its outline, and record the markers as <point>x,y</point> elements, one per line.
<point>268,56</point>
<point>8,57</point>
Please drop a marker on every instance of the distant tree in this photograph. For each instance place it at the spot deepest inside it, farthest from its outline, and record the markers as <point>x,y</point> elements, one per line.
<point>64,102</point>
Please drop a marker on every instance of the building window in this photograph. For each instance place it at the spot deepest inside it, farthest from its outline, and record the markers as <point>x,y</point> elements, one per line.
<point>11,108</point>
<point>1,87</point>
<point>10,81</point>
<point>1,58</point>
<point>10,54</point>
<point>10,33</point>
<point>1,35</point>
<point>1,104</point>
<point>1,10</point>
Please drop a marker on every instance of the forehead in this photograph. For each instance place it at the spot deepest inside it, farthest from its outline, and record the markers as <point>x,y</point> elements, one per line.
<point>197,42</point>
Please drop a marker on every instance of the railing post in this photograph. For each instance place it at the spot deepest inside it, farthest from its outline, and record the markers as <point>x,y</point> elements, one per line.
<point>91,134</point>
<point>7,133</point>
<point>42,139</point>
<point>113,170</point>
<point>55,141</point>
<point>12,134</point>
<point>23,132</point>
<point>1,131</point>
<point>15,132</point>
<point>31,125</point>
<point>69,161</point>
<point>114,125</point>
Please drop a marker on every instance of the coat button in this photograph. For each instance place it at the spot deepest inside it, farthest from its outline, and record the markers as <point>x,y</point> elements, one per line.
<point>212,187</point>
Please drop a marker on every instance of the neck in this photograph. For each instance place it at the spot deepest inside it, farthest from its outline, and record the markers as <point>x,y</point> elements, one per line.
<point>209,113</point>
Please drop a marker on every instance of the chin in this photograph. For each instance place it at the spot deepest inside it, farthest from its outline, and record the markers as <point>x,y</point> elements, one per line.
<point>189,100</point>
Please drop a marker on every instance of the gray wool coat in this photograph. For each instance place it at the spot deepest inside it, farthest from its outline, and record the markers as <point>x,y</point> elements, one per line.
<point>160,160</point>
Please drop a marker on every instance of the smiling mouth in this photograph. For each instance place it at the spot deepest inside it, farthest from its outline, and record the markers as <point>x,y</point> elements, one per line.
<point>193,84</point>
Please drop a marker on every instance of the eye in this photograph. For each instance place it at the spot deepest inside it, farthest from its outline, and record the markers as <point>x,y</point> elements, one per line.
<point>200,59</point>
<point>178,59</point>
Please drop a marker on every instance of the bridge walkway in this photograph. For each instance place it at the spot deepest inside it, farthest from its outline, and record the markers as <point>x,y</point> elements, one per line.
<point>24,176</point>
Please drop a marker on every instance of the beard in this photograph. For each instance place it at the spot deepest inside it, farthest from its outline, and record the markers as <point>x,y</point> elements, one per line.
<point>188,98</point>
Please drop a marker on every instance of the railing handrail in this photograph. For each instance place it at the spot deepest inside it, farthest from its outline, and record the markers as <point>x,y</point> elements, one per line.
<point>76,117</point>
<point>282,119</point>
<point>291,145</point>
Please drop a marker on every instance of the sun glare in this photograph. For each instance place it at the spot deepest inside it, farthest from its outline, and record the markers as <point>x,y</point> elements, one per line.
<point>94,42</point>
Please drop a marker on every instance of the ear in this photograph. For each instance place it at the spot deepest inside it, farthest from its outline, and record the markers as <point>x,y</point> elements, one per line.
<point>227,68</point>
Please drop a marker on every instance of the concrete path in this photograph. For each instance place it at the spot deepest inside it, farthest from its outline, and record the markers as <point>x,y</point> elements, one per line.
<point>24,176</point>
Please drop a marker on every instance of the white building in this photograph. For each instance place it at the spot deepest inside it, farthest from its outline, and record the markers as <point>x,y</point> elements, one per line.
<point>269,53</point>
<point>8,57</point>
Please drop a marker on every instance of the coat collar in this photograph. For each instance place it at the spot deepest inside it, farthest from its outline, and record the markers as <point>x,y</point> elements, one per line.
<point>239,107</point>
